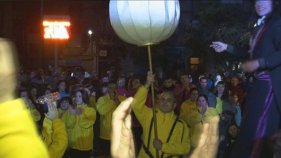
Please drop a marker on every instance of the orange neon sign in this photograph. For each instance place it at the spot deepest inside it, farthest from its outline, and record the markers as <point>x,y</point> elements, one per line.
<point>54,29</point>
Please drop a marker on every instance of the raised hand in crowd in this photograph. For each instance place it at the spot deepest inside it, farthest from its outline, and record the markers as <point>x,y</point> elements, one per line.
<point>52,111</point>
<point>149,79</point>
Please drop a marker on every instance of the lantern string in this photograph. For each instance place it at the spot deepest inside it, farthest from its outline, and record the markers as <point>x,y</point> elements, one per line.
<point>153,100</point>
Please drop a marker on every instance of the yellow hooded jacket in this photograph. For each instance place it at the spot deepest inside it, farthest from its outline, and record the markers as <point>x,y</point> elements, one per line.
<point>92,102</point>
<point>80,128</point>
<point>179,143</point>
<point>18,135</point>
<point>196,120</point>
<point>35,114</point>
<point>105,107</point>
<point>187,107</point>
<point>55,137</point>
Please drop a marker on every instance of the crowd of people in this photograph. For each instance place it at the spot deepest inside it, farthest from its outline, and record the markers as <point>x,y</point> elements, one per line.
<point>79,115</point>
<point>85,105</point>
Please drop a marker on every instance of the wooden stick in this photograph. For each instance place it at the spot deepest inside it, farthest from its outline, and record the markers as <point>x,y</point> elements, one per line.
<point>153,102</point>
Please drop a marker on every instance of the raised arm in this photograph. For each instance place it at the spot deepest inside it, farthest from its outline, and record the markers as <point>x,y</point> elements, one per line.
<point>221,47</point>
<point>140,109</point>
<point>105,105</point>
<point>88,117</point>
<point>54,132</point>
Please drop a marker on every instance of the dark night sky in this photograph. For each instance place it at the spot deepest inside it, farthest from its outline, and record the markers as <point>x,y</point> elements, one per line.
<point>20,21</point>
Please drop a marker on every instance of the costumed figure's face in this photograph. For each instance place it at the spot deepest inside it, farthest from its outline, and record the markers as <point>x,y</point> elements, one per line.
<point>263,7</point>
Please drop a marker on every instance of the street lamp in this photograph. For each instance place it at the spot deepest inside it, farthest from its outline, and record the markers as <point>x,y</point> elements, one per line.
<point>90,33</point>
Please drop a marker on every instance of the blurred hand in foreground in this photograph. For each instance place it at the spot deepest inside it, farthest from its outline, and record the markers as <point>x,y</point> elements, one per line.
<point>209,140</point>
<point>122,142</point>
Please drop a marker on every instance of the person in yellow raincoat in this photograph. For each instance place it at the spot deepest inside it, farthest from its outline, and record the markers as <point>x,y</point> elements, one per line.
<point>79,123</point>
<point>105,107</point>
<point>198,117</point>
<point>188,106</point>
<point>173,134</point>
<point>64,104</point>
<point>122,142</point>
<point>18,134</point>
<point>54,132</point>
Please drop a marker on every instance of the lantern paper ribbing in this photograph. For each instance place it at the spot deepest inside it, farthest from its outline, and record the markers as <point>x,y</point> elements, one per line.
<point>141,22</point>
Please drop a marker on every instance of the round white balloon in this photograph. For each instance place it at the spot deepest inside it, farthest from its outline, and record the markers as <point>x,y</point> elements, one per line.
<point>144,22</point>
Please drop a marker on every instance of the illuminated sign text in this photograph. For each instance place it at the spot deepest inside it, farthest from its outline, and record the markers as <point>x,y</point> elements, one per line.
<point>56,29</point>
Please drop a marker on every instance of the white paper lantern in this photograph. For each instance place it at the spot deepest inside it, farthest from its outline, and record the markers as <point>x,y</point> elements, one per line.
<point>144,22</point>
